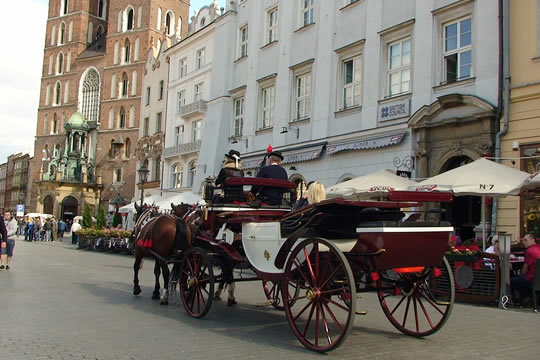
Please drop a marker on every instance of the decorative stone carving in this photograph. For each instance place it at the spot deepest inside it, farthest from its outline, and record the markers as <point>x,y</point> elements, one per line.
<point>420,152</point>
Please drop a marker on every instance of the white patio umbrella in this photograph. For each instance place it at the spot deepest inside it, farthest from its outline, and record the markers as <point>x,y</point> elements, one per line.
<point>185,197</point>
<point>40,215</point>
<point>369,185</point>
<point>481,177</point>
<point>130,208</point>
<point>532,183</point>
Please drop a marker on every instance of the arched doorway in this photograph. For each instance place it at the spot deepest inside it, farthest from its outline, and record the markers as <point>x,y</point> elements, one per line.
<point>48,205</point>
<point>464,213</point>
<point>69,208</point>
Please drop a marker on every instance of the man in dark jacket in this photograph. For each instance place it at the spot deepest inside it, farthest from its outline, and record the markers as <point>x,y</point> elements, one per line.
<point>273,170</point>
<point>3,240</point>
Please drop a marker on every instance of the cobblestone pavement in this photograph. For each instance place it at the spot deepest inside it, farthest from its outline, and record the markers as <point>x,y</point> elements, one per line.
<point>61,303</point>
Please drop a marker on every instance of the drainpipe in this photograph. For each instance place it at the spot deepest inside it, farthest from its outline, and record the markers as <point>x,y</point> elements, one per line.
<point>504,90</point>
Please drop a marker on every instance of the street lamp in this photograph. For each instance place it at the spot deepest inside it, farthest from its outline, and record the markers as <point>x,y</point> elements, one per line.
<point>143,175</point>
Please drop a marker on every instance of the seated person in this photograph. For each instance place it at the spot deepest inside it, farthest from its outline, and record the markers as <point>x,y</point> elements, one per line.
<point>523,283</point>
<point>314,194</point>
<point>267,194</point>
<point>303,201</point>
<point>493,249</point>
<point>232,167</point>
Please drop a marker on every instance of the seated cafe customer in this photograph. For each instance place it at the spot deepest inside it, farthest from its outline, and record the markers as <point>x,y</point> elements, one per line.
<point>523,283</point>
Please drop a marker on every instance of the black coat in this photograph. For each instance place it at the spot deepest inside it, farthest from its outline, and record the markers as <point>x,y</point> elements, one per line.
<point>268,194</point>
<point>3,231</point>
<point>230,192</point>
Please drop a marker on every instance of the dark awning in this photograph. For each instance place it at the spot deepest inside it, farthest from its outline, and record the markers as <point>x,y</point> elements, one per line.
<point>365,144</point>
<point>296,155</point>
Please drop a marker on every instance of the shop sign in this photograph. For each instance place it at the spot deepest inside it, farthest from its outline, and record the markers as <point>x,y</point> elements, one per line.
<point>395,110</point>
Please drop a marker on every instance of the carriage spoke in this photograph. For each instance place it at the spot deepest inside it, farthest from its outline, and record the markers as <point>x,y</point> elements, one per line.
<point>333,317</point>
<point>298,266</point>
<point>415,313</point>
<point>434,305</point>
<point>398,304</point>
<point>310,267</point>
<point>338,305</point>
<point>406,311</point>
<point>308,321</point>
<point>325,322</point>
<point>316,323</point>
<point>428,318</point>
<point>331,276</point>
<point>302,311</point>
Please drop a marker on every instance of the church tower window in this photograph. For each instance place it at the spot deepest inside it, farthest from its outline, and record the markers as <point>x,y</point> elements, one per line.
<point>90,88</point>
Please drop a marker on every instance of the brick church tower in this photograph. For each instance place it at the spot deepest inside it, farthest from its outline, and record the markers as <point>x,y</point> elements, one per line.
<point>88,116</point>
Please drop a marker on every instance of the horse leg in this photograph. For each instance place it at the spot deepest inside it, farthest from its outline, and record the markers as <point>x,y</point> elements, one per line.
<point>164,300</point>
<point>157,271</point>
<point>136,267</point>
<point>230,297</point>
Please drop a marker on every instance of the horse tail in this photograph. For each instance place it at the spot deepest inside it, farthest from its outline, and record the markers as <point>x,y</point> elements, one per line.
<point>182,235</point>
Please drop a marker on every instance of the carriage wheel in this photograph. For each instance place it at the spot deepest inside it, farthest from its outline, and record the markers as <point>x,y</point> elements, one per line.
<point>196,282</point>
<point>174,294</point>
<point>321,313</point>
<point>417,303</point>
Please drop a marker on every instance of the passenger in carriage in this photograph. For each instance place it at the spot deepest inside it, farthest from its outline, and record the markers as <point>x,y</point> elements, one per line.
<point>232,167</point>
<point>315,193</point>
<point>274,170</point>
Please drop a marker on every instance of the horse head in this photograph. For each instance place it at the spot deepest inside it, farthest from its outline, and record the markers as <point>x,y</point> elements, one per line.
<point>180,210</point>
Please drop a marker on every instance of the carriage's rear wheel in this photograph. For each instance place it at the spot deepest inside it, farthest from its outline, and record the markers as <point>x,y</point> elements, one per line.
<point>321,313</point>
<point>196,282</point>
<point>417,303</point>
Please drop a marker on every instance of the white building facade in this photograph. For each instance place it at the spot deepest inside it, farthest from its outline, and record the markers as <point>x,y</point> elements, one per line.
<point>190,69</point>
<point>334,84</point>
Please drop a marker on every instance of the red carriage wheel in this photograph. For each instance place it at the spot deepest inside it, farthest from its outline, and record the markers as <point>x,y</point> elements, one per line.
<point>321,313</point>
<point>272,291</point>
<point>417,303</point>
<point>196,282</point>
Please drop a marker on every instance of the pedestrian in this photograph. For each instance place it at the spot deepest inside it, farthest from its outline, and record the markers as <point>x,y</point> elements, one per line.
<point>28,229</point>
<point>74,228</point>
<point>10,228</point>
<point>54,230</point>
<point>61,228</point>
<point>48,229</point>
<point>37,229</point>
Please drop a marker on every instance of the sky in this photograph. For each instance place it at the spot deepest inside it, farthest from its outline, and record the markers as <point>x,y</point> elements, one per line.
<point>20,72</point>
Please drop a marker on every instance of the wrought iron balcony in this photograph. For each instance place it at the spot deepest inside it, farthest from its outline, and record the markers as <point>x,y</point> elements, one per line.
<point>182,149</point>
<point>194,108</point>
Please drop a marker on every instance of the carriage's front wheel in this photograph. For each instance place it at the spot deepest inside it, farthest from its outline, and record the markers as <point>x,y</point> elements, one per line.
<point>417,303</point>
<point>196,282</point>
<point>321,313</point>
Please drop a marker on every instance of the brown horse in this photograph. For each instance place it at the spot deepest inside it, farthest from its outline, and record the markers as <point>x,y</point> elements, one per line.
<point>162,237</point>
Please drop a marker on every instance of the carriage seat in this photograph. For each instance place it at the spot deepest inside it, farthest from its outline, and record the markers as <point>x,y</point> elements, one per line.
<point>284,186</point>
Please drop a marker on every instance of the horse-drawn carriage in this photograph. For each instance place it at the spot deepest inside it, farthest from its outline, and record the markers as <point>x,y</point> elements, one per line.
<point>315,260</point>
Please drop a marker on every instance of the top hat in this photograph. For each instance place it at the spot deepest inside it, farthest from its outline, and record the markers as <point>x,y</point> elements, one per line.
<point>276,154</point>
<point>233,154</point>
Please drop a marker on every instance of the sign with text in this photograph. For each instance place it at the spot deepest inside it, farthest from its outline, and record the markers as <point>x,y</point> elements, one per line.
<point>20,209</point>
<point>394,110</point>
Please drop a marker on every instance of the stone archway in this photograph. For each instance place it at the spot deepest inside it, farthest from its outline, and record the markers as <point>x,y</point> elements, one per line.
<point>70,208</point>
<point>48,205</point>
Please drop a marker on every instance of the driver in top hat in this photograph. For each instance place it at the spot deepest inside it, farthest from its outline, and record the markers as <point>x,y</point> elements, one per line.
<point>232,166</point>
<point>273,170</point>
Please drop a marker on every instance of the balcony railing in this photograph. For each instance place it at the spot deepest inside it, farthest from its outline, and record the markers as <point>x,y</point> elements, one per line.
<point>182,149</point>
<point>193,108</point>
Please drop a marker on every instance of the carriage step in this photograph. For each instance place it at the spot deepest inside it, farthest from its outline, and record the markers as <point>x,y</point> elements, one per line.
<point>361,312</point>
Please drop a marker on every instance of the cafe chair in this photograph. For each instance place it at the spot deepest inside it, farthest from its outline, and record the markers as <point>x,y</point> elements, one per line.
<point>536,285</point>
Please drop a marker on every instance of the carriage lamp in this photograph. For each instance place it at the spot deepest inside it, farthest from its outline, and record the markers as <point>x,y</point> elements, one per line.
<point>143,176</point>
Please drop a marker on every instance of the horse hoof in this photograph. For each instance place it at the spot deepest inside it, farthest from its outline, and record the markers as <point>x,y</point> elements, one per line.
<point>137,291</point>
<point>231,302</point>
<point>161,302</point>
<point>155,296</point>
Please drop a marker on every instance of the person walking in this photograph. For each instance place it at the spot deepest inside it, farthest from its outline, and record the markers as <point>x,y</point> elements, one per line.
<point>37,228</point>
<point>28,230</point>
<point>74,228</point>
<point>61,228</point>
<point>7,246</point>
<point>54,229</point>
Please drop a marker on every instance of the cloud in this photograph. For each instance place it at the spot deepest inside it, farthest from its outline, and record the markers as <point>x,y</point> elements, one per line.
<point>20,74</point>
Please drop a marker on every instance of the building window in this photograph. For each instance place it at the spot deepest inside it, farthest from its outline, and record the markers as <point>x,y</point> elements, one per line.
<point>122,119</point>
<point>457,52</point>
<point>169,23</point>
<point>271,25</point>
<point>157,169</point>
<point>238,118</point>
<point>90,96</point>
<point>243,41</point>
<point>101,9</point>
<point>198,92</point>
<point>200,58</point>
<point>192,170</point>
<point>59,63</point>
<point>352,82</point>
<point>127,52</point>
<point>180,100</point>
<point>307,12</point>
<point>182,67</point>
<point>54,127</point>
<point>125,83</point>
<point>62,34</point>
<point>160,93</point>
<point>118,176</point>
<point>302,108</point>
<point>399,67</point>
<point>158,122</point>
<point>267,107</point>
<point>348,2</point>
<point>176,176</point>
<point>196,129</point>
<point>146,125</point>
<point>530,203</point>
<point>64,7</point>
<point>57,93</point>
<point>148,96</point>
<point>129,19</point>
<point>178,134</point>
<point>127,148</point>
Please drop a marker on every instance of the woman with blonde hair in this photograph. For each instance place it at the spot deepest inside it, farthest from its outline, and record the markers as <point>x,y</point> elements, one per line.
<point>316,193</point>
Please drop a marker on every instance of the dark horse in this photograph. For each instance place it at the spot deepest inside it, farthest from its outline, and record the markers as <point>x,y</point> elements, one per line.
<point>162,237</point>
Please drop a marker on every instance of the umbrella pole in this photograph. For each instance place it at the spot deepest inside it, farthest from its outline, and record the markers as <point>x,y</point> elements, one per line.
<point>483,207</point>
